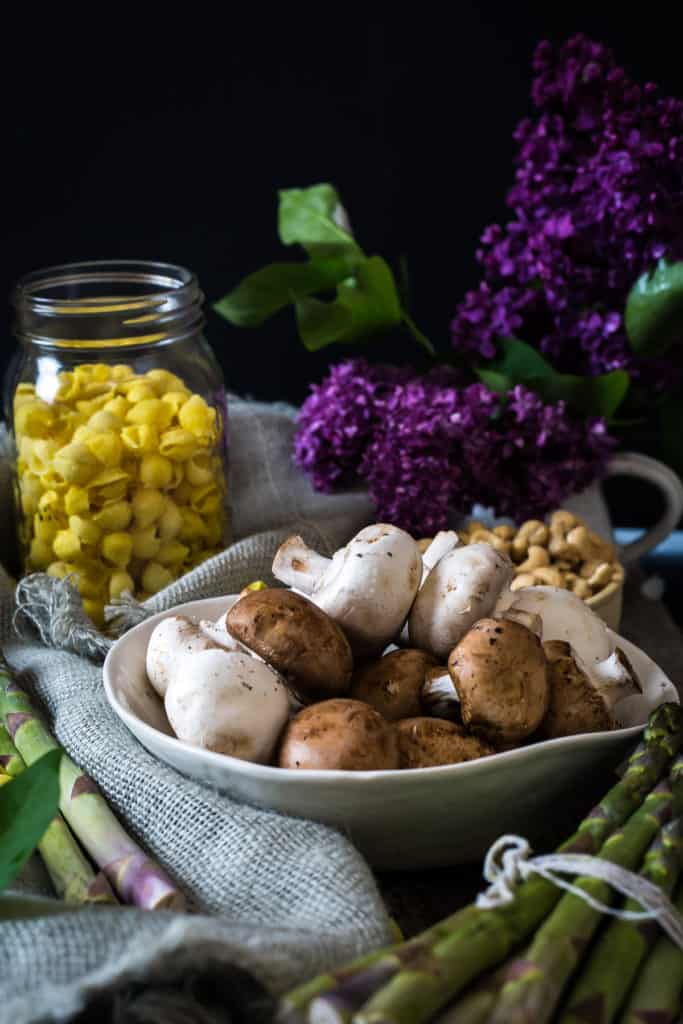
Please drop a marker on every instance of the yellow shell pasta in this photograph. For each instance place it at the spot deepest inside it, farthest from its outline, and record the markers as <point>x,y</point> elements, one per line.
<point>119,480</point>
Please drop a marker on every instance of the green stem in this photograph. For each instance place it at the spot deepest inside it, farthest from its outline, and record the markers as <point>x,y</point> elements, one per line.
<point>656,995</point>
<point>538,979</point>
<point>602,985</point>
<point>136,878</point>
<point>10,761</point>
<point>417,334</point>
<point>71,874</point>
<point>440,962</point>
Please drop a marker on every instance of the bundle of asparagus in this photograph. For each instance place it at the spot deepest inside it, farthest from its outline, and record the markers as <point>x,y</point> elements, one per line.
<point>632,827</point>
<point>87,817</point>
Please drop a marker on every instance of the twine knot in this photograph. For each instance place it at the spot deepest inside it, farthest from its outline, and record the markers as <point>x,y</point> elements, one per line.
<point>509,862</point>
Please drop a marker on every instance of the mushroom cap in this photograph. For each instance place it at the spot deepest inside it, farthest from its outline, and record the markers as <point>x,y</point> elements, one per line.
<point>171,638</point>
<point>392,684</point>
<point>427,742</point>
<point>227,702</point>
<point>500,672</point>
<point>564,617</point>
<point>461,588</point>
<point>339,734</point>
<point>297,639</point>
<point>575,705</point>
<point>370,586</point>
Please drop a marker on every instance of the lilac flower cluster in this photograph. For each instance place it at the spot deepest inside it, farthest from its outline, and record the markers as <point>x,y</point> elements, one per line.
<point>430,447</point>
<point>597,200</point>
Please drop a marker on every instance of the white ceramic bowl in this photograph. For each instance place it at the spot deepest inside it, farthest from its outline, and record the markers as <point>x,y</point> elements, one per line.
<point>426,817</point>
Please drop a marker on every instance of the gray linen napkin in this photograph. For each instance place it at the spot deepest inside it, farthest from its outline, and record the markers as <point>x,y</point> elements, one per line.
<point>282,897</point>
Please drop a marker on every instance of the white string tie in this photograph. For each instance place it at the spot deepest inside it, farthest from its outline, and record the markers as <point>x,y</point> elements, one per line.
<point>509,862</point>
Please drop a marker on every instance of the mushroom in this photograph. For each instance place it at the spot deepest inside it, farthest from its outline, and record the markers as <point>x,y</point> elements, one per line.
<point>461,588</point>
<point>339,734</point>
<point>439,696</point>
<point>392,684</point>
<point>427,742</point>
<point>228,702</point>
<point>291,634</point>
<point>564,616</point>
<point>368,586</point>
<point>170,639</point>
<point>444,542</point>
<point>432,550</point>
<point>584,698</point>
<point>500,672</point>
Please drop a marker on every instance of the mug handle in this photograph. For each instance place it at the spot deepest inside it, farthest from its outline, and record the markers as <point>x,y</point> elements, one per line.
<point>669,483</point>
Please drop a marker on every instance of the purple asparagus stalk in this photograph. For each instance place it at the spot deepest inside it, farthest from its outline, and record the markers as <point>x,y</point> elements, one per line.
<point>135,877</point>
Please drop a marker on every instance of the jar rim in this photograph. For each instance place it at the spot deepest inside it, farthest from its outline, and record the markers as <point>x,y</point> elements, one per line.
<point>102,302</point>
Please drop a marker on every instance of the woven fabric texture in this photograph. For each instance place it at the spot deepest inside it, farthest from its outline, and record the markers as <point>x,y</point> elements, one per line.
<point>281,896</point>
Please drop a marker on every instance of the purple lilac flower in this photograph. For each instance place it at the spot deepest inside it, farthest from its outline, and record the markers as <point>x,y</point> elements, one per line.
<point>432,447</point>
<point>337,420</point>
<point>597,200</point>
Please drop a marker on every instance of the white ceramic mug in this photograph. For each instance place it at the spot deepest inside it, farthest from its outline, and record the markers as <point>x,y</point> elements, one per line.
<point>590,504</point>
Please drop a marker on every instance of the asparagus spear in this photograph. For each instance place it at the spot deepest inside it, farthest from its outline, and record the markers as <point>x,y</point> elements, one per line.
<point>136,878</point>
<point>477,1003</point>
<point>559,944</point>
<point>656,996</point>
<point>602,986</point>
<point>70,873</point>
<point>441,961</point>
<point>10,762</point>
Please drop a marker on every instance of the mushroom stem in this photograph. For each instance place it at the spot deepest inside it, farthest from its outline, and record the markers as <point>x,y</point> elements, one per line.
<point>299,566</point>
<point>441,545</point>
<point>613,678</point>
<point>439,696</point>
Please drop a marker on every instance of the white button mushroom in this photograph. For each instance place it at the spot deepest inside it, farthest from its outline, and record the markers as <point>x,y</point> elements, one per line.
<point>462,587</point>
<point>173,637</point>
<point>227,702</point>
<point>368,587</point>
<point>564,616</point>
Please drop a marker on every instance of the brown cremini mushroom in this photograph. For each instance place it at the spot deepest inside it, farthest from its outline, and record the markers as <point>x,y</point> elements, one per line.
<point>295,638</point>
<point>582,696</point>
<point>500,672</point>
<point>427,742</point>
<point>392,684</point>
<point>339,734</point>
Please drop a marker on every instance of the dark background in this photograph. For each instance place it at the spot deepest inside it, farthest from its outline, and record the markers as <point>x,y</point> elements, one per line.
<point>168,138</point>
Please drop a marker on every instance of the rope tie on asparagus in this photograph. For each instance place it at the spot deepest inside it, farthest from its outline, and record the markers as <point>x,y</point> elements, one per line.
<point>509,862</point>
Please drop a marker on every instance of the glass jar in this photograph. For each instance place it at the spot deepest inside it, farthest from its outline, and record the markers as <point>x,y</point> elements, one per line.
<point>117,409</point>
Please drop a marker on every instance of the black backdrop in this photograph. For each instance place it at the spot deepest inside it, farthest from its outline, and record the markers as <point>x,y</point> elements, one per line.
<point>165,135</point>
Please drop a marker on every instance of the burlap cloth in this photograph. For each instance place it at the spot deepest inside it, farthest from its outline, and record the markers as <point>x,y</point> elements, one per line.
<point>282,897</point>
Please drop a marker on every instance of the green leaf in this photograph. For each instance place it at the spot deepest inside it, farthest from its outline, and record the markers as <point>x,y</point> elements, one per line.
<point>592,396</point>
<point>519,363</point>
<point>27,806</point>
<point>314,218</point>
<point>654,310</point>
<point>366,304</point>
<point>272,288</point>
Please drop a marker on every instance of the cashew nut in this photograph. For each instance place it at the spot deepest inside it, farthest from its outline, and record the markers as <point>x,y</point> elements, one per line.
<point>532,532</point>
<point>524,580</point>
<point>537,557</point>
<point>581,588</point>
<point>549,576</point>
<point>601,576</point>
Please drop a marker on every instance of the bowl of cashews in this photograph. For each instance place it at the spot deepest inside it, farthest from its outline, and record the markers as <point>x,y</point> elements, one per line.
<point>563,552</point>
